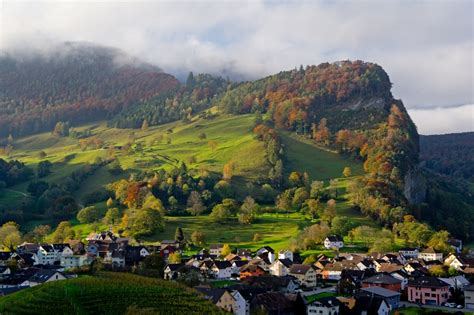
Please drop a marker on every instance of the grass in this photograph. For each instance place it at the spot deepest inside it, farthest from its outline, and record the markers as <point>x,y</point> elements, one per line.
<point>109,293</point>
<point>420,310</point>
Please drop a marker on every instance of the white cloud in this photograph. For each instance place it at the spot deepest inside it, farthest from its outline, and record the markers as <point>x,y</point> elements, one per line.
<point>425,46</point>
<point>431,121</point>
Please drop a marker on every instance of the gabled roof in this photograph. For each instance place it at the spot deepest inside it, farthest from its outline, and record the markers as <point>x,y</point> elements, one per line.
<point>268,282</point>
<point>240,263</point>
<point>382,278</point>
<point>174,267</point>
<point>285,262</point>
<point>5,255</point>
<point>222,264</point>
<point>43,275</point>
<point>265,249</point>
<point>299,269</point>
<point>273,301</point>
<point>427,282</point>
<point>334,238</point>
<point>429,250</point>
<point>47,248</point>
<point>216,246</point>
<point>212,294</point>
<point>369,304</point>
<point>469,288</point>
<point>329,301</point>
<point>251,268</point>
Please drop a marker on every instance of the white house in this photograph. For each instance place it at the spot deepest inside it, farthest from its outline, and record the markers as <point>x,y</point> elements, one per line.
<point>75,261</point>
<point>44,276</point>
<point>280,267</point>
<point>304,274</point>
<point>216,249</point>
<point>333,241</point>
<point>430,254</point>
<point>222,269</point>
<point>46,255</point>
<point>458,261</point>
<point>240,305</point>
<point>409,253</point>
<point>323,306</point>
<point>285,254</point>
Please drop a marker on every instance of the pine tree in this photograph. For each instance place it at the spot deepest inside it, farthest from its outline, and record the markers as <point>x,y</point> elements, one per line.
<point>145,125</point>
<point>179,235</point>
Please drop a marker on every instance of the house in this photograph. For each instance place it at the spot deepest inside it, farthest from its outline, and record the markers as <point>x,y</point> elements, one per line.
<point>5,257</point>
<point>304,274</point>
<point>77,247</point>
<point>30,248</point>
<point>285,284</point>
<point>455,244</point>
<point>172,243</point>
<point>76,261</point>
<point>333,241</point>
<point>222,298</point>
<point>116,259</point>
<point>402,276</point>
<point>351,280</point>
<point>244,253</point>
<point>166,251</point>
<point>250,270</point>
<point>391,297</point>
<point>469,297</point>
<point>459,261</point>
<point>409,253</point>
<point>430,254</point>
<point>216,249</point>
<point>366,264</point>
<point>324,306</point>
<point>172,271</point>
<point>271,303</point>
<point>240,304</point>
<point>46,255</point>
<point>135,254</point>
<point>236,266</point>
<point>333,271</point>
<point>280,267</point>
<point>4,271</point>
<point>368,305</point>
<point>457,282</point>
<point>45,275</point>
<point>428,290</point>
<point>382,280</point>
<point>222,269</point>
<point>413,266</point>
<point>285,254</point>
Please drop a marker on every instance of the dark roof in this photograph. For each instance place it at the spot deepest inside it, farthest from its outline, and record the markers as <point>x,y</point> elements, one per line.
<point>286,262</point>
<point>48,248</point>
<point>369,304</point>
<point>216,246</point>
<point>469,288</point>
<point>299,269</point>
<point>408,249</point>
<point>382,292</point>
<point>212,294</point>
<point>334,238</point>
<point>382,278</point>
<point>272,301</point>
<point>43,275</point>
<point>240,263</point>
<point>430,250</point>
<point>5,255</point>
<point>266,249</point>
<point>60,247</point>
<point>329,301</point>
<point>244,252</point>
<point>268,282</point>
<point>222,264</point>
<point>174,267</point>
<point>250,268</point>
<point>427,282</point>
<point>248,293</point>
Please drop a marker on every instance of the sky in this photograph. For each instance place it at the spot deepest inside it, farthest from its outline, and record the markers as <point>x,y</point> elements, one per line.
<point>426,47</point>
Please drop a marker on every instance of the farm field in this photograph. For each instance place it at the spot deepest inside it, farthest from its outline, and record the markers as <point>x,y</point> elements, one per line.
<point>116,293</point>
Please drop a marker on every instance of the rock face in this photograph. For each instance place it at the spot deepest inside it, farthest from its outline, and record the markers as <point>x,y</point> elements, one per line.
<point>415,187</point>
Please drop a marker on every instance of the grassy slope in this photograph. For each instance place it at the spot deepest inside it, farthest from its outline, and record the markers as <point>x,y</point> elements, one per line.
<point>235,142</point>
<point>110,293</point>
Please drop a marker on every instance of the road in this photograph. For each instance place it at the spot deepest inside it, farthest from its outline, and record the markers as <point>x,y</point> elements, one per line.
<point>435,307</point>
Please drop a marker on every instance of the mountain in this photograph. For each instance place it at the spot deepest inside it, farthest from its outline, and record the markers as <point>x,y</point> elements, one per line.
<point>75,82</point>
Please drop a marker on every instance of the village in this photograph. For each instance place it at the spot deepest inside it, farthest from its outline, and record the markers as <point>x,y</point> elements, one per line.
<point>245,282</point>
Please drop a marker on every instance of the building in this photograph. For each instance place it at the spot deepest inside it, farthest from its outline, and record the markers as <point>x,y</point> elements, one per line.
<point>366,305</point>
<point>216,249</point>
<point>323,306</point>
<point>250,270</point>
<point>43,276</point>
<point>409,253</point>
<point>391,297</point>
<point>383,280</point>
<point>430,254</point>
<point>222,298</point>
<point>222,269</point>
<point>428,290</point>
<point>469,297</point>
<point>455,244</point>
<point>286,254</point>
<point>459,261</point>
<point>304,274</point>
<point>280,267</point>
<point>333,241</point>
<point>46,255</point>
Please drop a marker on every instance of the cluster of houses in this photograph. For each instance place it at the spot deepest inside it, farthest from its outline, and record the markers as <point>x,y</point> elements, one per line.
<point>264,281</point>
<point>279,283</point>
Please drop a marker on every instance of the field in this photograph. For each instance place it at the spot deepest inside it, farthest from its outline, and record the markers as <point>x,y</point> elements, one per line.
<point>109,293</point>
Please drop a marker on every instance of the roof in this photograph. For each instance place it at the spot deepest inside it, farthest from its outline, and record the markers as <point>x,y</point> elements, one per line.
<point>382,278</point>
<point>251,268</point>
<point>272,301</point>
<point>285,262</point>
<point>427,282</point>
<point>43,275</point>
<point>334,238</point>
<point>265,249</point>
<point>268,282</point>
<point>47,248</point>
<point>370,304</point>
<point>457,281</point>
<point>299,269</point>
<point>216,246</point>
<point>381,292</point>
<point>239,263</point>
<point>224,264</point>
<point>469,288</point>
<point>5,255</point>
<point>328,301</point>
<point>429,250</point>
<point>174,267</point>
<point>212,294</point>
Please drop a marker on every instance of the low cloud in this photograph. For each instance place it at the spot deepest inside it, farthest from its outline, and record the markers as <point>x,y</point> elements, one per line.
<point>431,121</point>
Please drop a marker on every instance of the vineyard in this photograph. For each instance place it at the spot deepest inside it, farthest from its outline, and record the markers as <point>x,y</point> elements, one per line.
<point>109,293</point>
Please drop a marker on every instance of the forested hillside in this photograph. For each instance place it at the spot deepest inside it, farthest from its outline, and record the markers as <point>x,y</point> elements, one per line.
<point>78,83</point>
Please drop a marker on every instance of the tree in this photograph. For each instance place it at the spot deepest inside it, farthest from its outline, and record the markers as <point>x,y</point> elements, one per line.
<point>112,216</point>
<point>225,250</point>
<point>220,213</point>
<point>316,188</point>
<point>366,234</point>
<point>198,238</point>
<point>283,201</point>
<point>341,225</point>
<point>195,205</point>
<point>248,211</point>
<point>228,170</point>
<point>347,172</point>
<point>257,237</point>
<point>153,262</point>
<point>190,81</point>
<point>42,155</point>
<point>88,215</point>
<point>300,196</point>
<point>313,207</point>
<point>63,232</point>
<point>145,125</point>
<point>439,241</point>
<point>146,222</point>
<point>179,235</point>
<point>174,258</point>
<point>330,211</point>
<point>151,202</point>
<point>110,202</point>
<point>44,168</point>
<point>10,235</point>
<point>40,232</point>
